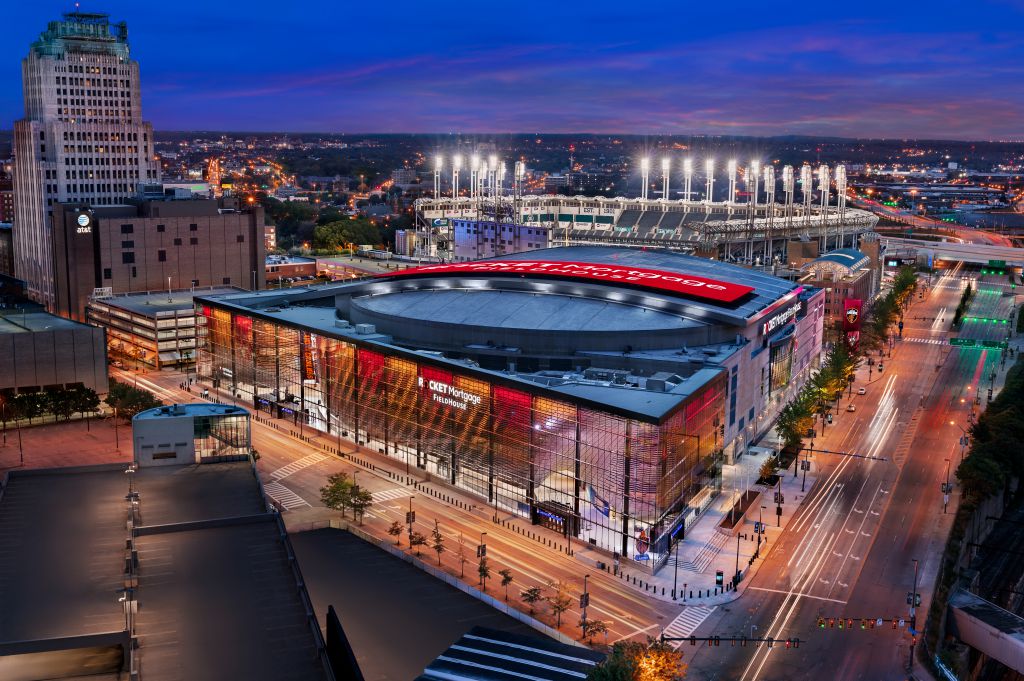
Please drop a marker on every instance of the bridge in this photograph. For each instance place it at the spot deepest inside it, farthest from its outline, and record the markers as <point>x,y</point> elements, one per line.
<point>987,628</point>
<point>982,254</point>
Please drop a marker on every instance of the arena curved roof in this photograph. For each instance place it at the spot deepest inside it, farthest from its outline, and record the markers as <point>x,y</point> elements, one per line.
<point>850,259</point>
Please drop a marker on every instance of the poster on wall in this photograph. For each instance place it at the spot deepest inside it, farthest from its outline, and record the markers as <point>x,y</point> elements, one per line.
<point>851,321</point>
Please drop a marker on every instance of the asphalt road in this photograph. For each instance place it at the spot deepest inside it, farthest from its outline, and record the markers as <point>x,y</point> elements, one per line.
<point>850,552</point>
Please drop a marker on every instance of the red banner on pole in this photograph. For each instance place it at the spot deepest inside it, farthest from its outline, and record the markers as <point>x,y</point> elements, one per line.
<point>852,313</point>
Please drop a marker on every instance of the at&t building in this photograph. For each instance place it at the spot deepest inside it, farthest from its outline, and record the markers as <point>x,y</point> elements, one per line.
<point>596,390</point>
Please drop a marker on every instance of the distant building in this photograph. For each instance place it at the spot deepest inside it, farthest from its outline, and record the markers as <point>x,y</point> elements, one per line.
<point>190,433</point>
<point>475,240</point>
<point>405,241</point>
<point>6,249</point>
<point>280,267</point>
<point>270,238</point>
<point>39,350</point>
<point>82,139</point>
<point>845,273</point>
<point>403,176</point>
<point>554,183</point>
<point>6,199</point>
<point>154,245</point>
<point>155,329</point>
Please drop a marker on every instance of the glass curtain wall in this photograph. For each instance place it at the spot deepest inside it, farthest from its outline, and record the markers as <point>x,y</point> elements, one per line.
<point>621,484</point>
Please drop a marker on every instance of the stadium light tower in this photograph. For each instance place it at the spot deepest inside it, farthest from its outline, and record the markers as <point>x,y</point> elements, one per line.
<point>789,187</point>
<point>806,190</point>
<point>824,186</point>
<point>438,164</point>
<point>645,174</point>
<point>709,168</point>
<point>688,178</point>
<point>731,166</point>
<point>520,175</point>
<point>492,169</point>
<point>502,171</point>
<point>755,171</point>
<point>841,202</point>
<point>456,167</point>
<point>769,190</point>
<point>666,164</point>
<point>481,178</point>
<point>474,170</point>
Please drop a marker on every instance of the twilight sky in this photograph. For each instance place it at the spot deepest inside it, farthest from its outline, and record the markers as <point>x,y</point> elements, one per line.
<point>899,68</point>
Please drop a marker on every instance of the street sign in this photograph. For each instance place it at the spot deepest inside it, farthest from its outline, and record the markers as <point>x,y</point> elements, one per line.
<point>805,465</point>
<point>584,600</point>
<point>903,623</point>
<point>878,622</point>
<point>410,517</point>
<point>481,551</point>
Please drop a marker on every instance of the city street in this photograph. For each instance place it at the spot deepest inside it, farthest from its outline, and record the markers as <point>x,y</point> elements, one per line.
<point>851,552</point>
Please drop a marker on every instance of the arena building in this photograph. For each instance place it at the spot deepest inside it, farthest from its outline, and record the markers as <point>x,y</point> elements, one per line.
<point>597,391</point>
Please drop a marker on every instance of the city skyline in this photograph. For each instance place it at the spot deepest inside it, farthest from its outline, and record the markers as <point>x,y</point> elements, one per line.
<point>912,70</point>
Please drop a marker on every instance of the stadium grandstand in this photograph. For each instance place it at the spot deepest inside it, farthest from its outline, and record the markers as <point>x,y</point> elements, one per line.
<point>753,232</point>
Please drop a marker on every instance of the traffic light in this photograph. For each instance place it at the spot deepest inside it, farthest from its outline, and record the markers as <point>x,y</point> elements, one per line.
<point>718,641</point>
<point>840,622</point>
<point>894,622</point>
<point>789,644</point>
<point>693,640</point>
<point>863,624</point>
<point>849,623</point>
<point>770,641</point>
<point>821,622</point>
<point>796,643</point>
<point>832,623</point>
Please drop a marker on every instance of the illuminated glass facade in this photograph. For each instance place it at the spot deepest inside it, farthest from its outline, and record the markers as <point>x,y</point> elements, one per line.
<point>618,481</point>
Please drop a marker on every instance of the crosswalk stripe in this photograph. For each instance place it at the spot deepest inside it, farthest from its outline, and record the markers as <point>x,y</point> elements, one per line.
<point>687,622</point>
<point>284,496</point>
<point>390,494</point>
<point>933,341</point>
<point>297,465</point>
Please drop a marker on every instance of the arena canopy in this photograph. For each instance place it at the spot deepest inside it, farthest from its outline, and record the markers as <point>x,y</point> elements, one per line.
<point>675,283</point>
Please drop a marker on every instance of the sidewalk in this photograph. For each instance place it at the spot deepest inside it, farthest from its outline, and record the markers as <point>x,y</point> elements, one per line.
<point>704,551</point>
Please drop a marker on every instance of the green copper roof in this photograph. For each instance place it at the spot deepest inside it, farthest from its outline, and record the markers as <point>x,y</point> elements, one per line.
<point>83,32</point>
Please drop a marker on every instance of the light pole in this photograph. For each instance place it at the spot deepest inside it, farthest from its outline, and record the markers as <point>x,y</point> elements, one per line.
<point>913,616</point>
<point>963,442</point>
<point>945,490</point>
<point>117,442</point>
<point>410,517</point>
<point>584,602</point>
<point>760,530</point>
<point>807,464</point>
<point>675,573</point>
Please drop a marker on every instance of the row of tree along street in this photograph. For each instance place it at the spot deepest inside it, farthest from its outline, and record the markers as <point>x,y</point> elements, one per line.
<point>796,420</point>
<point>627,660</point>
<point>64,402</point>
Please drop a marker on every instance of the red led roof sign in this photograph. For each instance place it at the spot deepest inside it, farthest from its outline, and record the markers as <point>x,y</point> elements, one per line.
<point>656,280</point>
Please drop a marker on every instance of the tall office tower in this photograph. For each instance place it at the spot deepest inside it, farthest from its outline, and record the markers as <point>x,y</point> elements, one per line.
<point>82,140</point>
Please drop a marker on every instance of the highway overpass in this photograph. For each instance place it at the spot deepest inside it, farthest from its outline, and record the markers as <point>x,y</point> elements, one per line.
<point>980,254</point>
<point>987,628</point>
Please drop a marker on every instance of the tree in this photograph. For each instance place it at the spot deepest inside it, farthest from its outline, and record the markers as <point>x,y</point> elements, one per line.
<point>58,402</point>
<point>335,236</point>
<point>85,401</point>
<point>636,661</point>
<point>560,601</point>
<point>484,570</point>
<point>396,531</point>
<point>506,579</point>
<point>592,628</point>
<point>437,542</point>
<point>337,493</point>
<point>767,469</point>
<point>129,400</point>
<point>30,405</point>
<point>416,540</point>
<point>360,500</point>
<point>531,596</point>
<point>462,556</point>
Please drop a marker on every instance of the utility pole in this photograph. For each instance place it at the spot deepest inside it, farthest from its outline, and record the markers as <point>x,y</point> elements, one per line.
<point>410,518</point>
